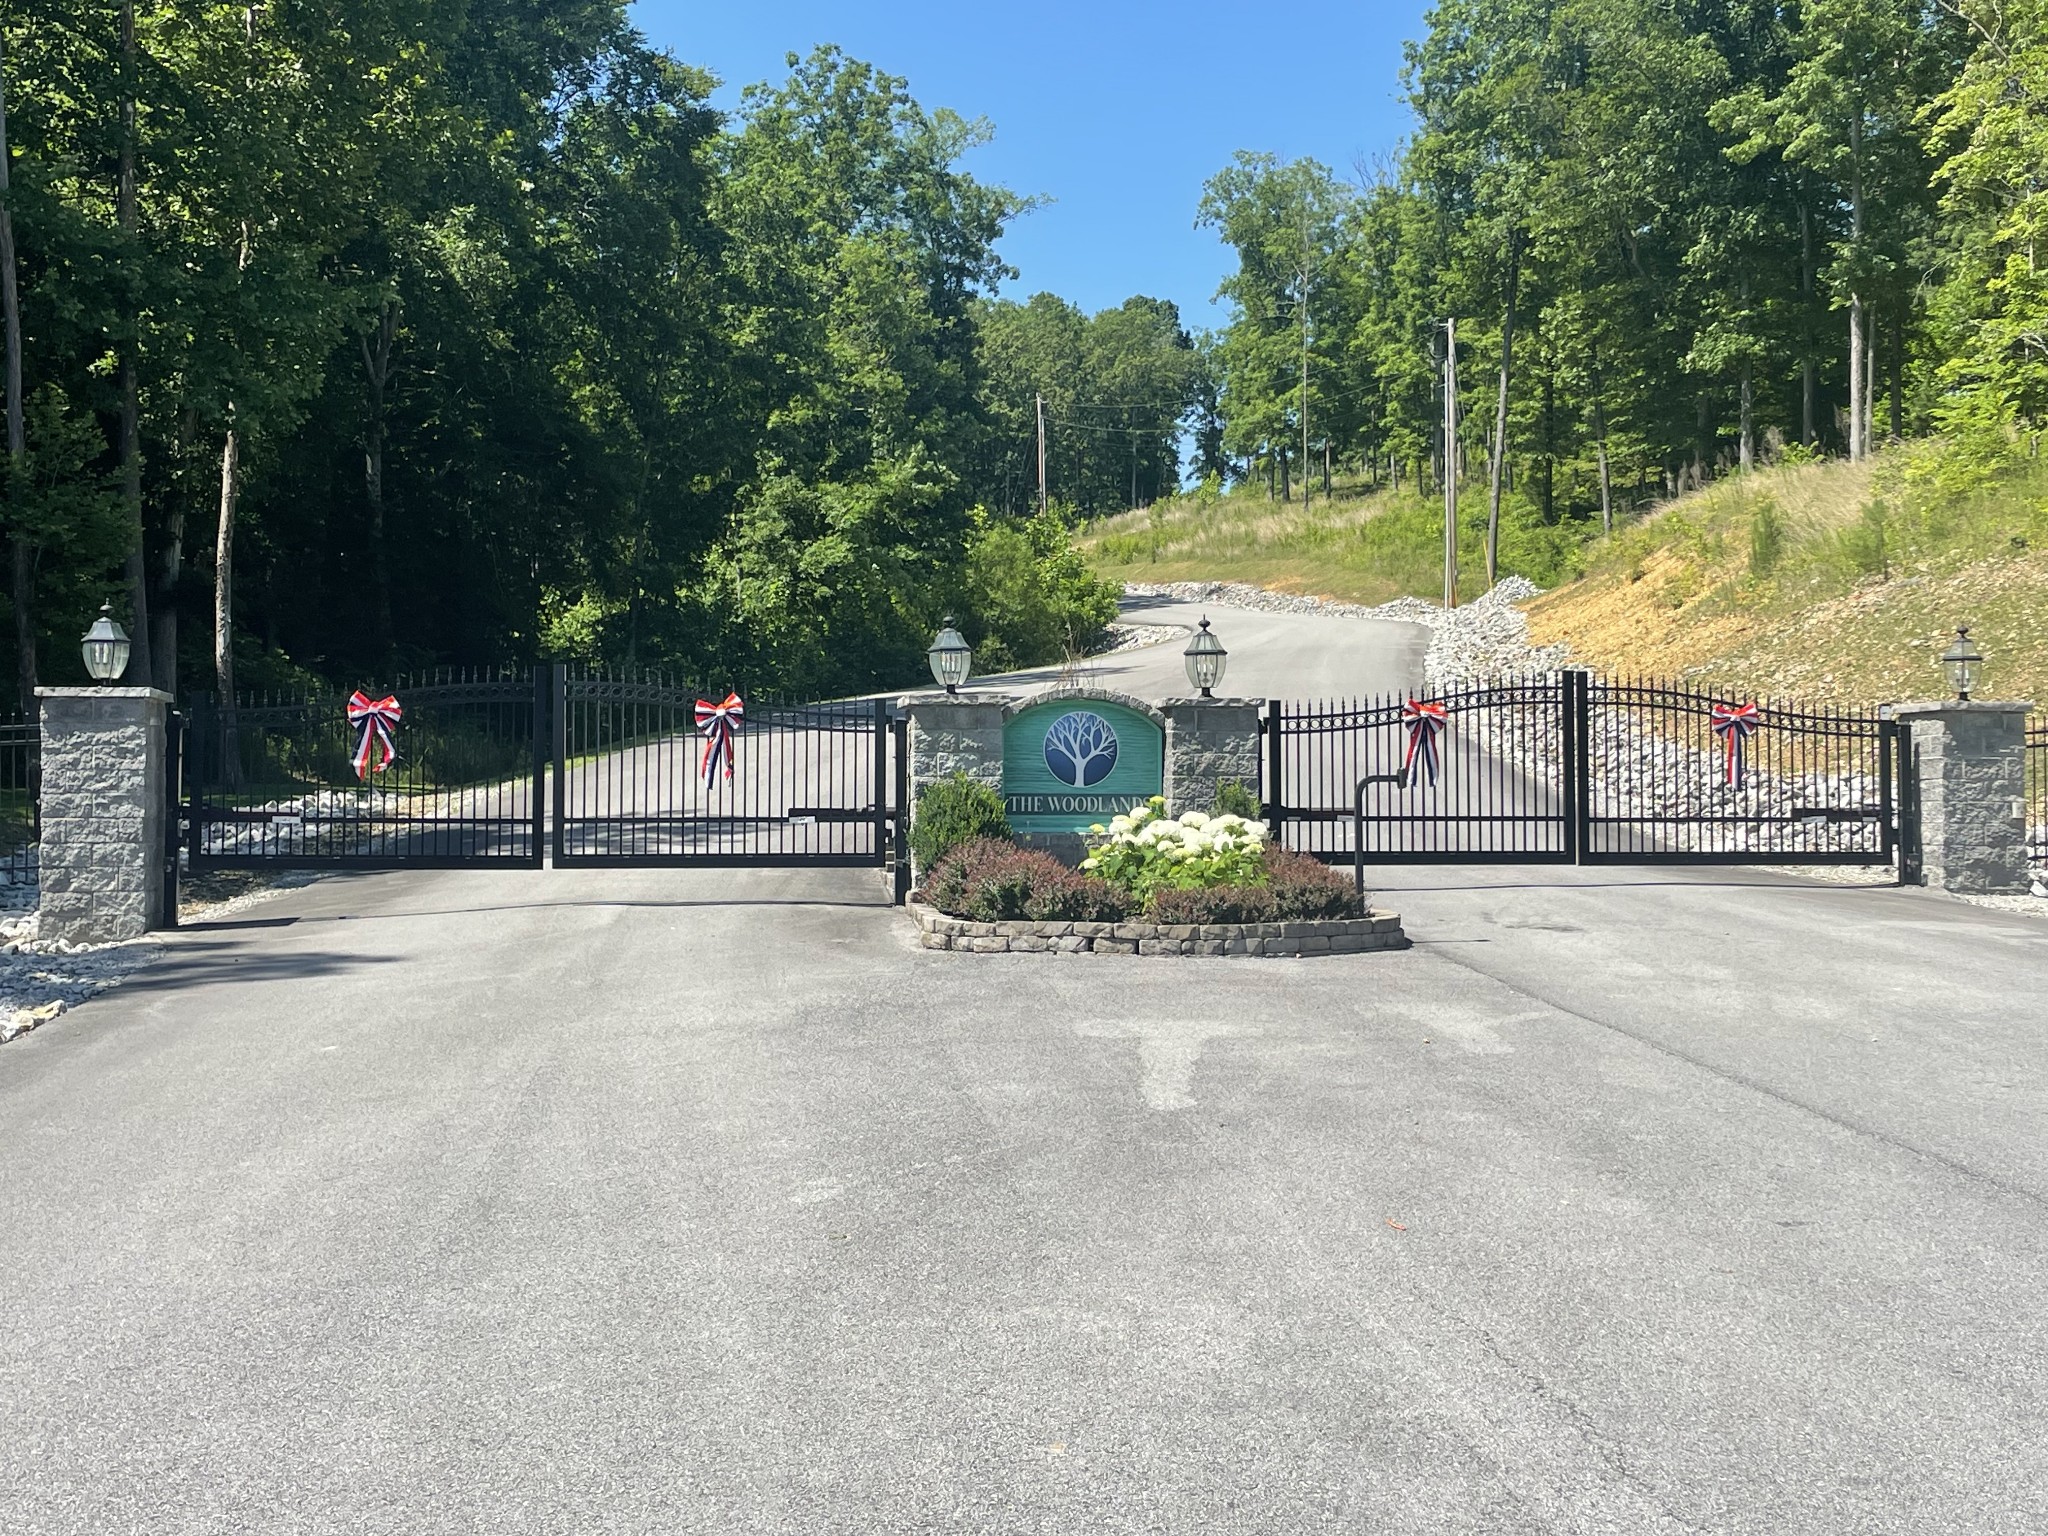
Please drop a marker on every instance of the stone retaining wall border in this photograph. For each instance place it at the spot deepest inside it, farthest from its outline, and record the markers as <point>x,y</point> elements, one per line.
<point>1341,936</point>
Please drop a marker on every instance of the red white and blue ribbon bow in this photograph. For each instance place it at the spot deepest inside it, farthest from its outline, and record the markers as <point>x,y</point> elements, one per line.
<point>374,718</point>
<point>1735,724</point>
<point>719,724</point>
<point>1425,722</point>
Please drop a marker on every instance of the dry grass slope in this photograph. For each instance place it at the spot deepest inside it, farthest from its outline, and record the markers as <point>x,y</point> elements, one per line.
<point>1831,581</point>
<point>1360,546</point>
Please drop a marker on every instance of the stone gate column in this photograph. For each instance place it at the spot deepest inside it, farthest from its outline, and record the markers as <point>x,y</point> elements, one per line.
<point>953,733</point>
<point>1208,741</point>
<point>103,813</point>
<point>1968,762</point>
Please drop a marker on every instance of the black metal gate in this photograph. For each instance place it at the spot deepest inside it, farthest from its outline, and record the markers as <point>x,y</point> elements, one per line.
<point>805,784</point>
<point>498,770</point>
<point>271,780</point>
<point>1571,768</point>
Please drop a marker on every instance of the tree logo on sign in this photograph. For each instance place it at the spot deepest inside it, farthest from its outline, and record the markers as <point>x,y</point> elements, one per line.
<point>1080,749</point>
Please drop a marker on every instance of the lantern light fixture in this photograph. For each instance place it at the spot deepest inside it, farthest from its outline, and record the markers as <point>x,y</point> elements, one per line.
<point>105,647</point>
<point>1205,658</point>
<point>1962,661</point>
<point>951,658</point>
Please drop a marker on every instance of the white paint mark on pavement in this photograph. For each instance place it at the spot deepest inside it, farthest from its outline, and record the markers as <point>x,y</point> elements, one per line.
<point>1167,1052</point>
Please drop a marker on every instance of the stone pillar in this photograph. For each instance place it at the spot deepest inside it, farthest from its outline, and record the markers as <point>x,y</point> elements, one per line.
<point>1968,760</point>
<point>103,813</point>
<point>954,733</point>
<point>1208,741</point>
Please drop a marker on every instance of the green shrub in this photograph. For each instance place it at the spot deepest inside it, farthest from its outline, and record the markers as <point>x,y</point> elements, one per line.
<point>1766,538</point>
<point>989,881</point>
<point>1236,799</point>
<point>1030,592</point>
<point>1143,851</point>
<point>955,811</point>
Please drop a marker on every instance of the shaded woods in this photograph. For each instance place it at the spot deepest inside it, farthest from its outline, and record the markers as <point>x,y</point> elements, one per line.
<point>411,332</point>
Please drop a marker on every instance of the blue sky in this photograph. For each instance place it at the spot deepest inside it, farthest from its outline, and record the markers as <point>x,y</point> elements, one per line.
<point>1117,112</point>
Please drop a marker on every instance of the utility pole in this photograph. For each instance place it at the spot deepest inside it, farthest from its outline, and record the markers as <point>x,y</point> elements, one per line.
<point>1041,452</point>
<point>1305,485</point>
<point>1450,464</point>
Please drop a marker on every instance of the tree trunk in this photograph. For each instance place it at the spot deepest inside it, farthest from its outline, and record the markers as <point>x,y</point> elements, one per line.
<point>1286,487</point>
<point>1859,444</point>
<point>1500,413</point>
<point>1600,449</point>
<point>224,564</point>
<point>1859,406</point>
<point>163,612</point>
<point>1748,449</point>
<point>17,427</point>
<point>377,369</point>
<point>1898,357</point>
<point>131,399</point>
<point>1806,370</point>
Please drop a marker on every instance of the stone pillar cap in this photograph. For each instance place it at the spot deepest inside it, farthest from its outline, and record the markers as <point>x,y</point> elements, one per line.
<point>938,697</point>
<point>105,693</point>
<point>1194,702</point>
<point>1964,707</point>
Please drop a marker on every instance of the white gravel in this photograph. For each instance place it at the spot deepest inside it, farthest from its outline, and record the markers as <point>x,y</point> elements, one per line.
<point>1132,637</point>
<point>43,978</point>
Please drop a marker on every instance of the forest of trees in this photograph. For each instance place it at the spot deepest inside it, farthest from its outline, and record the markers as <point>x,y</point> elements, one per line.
<point>346,340</point>
<point>356,339</point>
<point>1678,237</point>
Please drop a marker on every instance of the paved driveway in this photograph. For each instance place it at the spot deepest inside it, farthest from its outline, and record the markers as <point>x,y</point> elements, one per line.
<point>1272,655</point>
<point>647,1201</point>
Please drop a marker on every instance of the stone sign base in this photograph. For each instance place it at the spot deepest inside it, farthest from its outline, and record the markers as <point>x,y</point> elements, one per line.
<point>1341,936</point>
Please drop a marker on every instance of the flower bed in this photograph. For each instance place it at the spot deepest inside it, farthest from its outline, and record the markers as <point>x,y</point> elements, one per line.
<point>1195,885</point>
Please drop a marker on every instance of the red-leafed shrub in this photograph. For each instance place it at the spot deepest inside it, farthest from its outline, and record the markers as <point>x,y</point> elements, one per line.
<point>1306,890</point>
<point>1215,904</point>
<point>988,881</point>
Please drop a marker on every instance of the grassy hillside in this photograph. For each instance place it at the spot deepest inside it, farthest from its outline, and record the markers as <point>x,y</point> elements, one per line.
<point>1362,546</point>
<point>1832,580</point>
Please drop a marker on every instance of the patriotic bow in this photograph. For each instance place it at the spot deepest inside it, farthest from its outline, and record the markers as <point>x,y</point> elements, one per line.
<point>375,718</point>
<point>719,723</point>
<point>1735,724</point>
<point>1425,722</point>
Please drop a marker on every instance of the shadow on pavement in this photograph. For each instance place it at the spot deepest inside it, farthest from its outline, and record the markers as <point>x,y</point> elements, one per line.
<point>196,964</point>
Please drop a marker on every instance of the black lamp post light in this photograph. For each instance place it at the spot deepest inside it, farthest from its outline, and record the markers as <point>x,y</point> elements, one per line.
<point>105,647</point>
<point>1962,661</point>
<point>951,657</point>
<point>1205,659</point>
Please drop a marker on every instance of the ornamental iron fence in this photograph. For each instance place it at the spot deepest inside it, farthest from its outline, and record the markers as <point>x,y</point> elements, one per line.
<point>436,770</point>
<point>20,804</point>
<point>651,773</point>
<point>1573,768</point>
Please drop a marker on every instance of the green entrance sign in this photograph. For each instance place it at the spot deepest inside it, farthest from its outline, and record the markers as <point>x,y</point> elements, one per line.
<point>1074,761</point>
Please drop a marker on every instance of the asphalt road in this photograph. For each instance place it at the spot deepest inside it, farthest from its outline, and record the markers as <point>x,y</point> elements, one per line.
<point>654,1201</point>
<point>1272,655</point>
<point>648,1201</point>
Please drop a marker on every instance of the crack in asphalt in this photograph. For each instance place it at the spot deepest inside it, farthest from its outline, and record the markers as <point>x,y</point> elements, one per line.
<point>1842,1122</point>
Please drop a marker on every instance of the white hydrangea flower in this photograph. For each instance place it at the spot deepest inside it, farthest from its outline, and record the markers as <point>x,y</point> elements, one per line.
<point>1193,819</point>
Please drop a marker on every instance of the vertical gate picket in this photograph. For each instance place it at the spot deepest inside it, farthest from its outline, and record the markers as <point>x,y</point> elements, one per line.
<point>1275,807</point>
